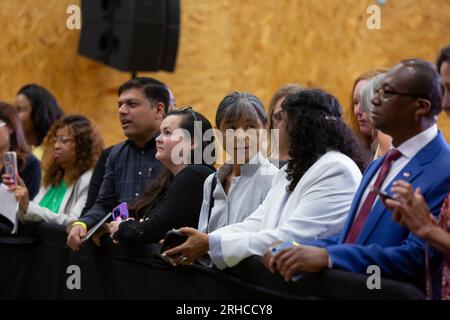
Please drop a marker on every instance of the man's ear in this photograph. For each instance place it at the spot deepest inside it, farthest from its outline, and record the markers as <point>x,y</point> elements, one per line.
<point>160,111</point>
<point>423,107</point>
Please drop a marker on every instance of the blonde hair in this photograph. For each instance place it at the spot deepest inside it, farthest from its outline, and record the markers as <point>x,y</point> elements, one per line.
<point>354,125</point>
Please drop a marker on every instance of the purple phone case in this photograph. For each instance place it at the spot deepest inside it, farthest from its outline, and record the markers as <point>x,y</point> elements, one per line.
<point>11,165</point>
<point>121,211</point>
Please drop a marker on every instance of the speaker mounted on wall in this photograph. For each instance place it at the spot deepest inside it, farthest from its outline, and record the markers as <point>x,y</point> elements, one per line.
<point>131,35</point>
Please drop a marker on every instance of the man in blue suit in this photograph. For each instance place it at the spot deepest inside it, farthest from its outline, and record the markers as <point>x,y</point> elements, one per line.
<point>405,107</point>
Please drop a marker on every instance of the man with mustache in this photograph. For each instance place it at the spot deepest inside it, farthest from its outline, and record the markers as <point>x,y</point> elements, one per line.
<point>131,164</point>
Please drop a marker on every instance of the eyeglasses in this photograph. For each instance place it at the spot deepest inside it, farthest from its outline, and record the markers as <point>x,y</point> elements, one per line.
<point>276,117</point>
<point>62,140</point>
<point>388,94</point>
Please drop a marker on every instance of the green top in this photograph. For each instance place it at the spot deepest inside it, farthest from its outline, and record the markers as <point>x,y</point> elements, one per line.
<point>53,197</point>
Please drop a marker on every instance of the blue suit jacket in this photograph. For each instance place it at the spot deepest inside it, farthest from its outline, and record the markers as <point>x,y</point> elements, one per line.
<point>383,242</point>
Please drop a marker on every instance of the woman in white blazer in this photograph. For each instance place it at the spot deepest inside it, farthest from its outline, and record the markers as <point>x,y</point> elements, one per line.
<point>310,197</point>
<point>71,149</point>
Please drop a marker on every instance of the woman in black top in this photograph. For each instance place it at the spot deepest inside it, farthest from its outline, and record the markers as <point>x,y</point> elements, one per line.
<point>12,138</point>
<point>175,198</point>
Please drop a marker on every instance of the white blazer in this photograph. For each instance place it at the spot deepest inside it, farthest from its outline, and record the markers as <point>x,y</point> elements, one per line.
<point>317,208</point>
<point>71,206</point>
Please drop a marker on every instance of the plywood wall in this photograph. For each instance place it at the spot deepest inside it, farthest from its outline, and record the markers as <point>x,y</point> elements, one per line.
<point>225,45</point>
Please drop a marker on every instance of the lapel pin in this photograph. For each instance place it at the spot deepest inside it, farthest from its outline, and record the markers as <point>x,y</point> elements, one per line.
<point>406,174</point>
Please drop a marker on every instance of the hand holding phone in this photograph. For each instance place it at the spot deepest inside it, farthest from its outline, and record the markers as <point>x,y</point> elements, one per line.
<point>120,212</point>
<point>173,239</point>
<point>11,166</point>
<point>283,246</point>
<point>381,193</point>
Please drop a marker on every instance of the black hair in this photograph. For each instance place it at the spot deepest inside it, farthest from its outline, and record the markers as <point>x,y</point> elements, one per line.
<point>159,186</point>
<point>314,126</point>
<point>240,105</point>
<point>426,81</point>
<point>155,90</point>
<point>45,110</point>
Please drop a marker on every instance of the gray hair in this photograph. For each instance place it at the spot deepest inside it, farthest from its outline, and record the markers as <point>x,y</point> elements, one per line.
<point>240,105</point>
<point>368,92</point>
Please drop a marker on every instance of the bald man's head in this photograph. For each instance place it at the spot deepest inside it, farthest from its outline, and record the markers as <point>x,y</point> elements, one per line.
<point>423,81</point>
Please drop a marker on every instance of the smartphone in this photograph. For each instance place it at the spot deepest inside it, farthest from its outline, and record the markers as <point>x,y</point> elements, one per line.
<point>173,239</point>
<point>121,211</point>
<point>96,227</point>
<point>11,165</point>
<point>283,246</point>
<point>286,245</point>
<point>381,193</point>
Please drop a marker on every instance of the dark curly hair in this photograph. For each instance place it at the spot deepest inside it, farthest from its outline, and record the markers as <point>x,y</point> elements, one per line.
<point>88,145</point>
<point>314,126</point>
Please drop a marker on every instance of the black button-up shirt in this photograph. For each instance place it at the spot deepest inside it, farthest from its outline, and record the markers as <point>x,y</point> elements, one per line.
<point>128,170</point>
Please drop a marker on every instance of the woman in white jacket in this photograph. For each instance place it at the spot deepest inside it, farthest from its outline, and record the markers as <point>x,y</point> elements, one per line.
<point>310,197</point>
<point>71,149</point>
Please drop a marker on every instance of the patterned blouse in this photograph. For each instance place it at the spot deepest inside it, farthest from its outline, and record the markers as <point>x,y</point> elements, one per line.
<point>444,222</point>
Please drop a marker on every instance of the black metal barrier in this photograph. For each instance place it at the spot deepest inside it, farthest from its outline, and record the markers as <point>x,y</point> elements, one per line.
<point>38,265</point>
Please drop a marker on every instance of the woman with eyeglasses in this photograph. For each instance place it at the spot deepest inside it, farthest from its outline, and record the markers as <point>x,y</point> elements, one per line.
<point>376,143</point>
<point>309,198</point>
<point>277,156</point>
<point>174,199</point>
<point>71,149</point>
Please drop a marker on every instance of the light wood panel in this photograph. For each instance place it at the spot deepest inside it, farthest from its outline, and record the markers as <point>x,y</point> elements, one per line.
<point>225,45</point>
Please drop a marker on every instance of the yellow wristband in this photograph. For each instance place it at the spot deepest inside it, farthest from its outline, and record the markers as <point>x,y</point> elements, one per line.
<point>79,223</point>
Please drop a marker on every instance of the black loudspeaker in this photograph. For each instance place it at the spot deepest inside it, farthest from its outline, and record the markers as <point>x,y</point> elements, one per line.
<point>131,35</point>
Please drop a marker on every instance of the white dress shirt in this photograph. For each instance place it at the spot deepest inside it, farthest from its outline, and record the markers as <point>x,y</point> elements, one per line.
<point>317,208</point>
<point>409,149</point>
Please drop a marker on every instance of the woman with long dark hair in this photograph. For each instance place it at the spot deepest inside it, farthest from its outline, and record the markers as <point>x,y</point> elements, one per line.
<point>174,199</point>
<point>38,110</point>
<point>12,138</point>
<point>309,198</point>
